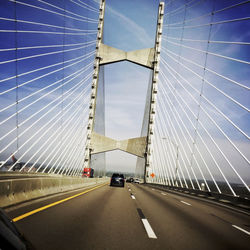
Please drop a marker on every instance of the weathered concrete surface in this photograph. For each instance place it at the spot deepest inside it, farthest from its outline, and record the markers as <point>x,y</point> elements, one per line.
<point>109,54</point>
<point>136,146</point>
<point>17,190</point>
<point>143,57</point>
<point>101,143</point>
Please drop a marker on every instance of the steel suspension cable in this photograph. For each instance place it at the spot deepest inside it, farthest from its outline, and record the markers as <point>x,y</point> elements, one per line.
<point>219,150</point>
<point>78,73</point>
<point>167,117</point>
<point>207,69</point>
<point>236,148</point>
<point>42,136</point>
<point>86,6</point>
<point>178,97</point>
<point>224,94</point>
<point>42,54</point>
<point>211,53</point>
<point>53,136</point>
<point>48,46</point>
<point>49,111</point>
<point>167,165</point>
<point>70,12</point>
<point>48,86</point>
<point>82,19</point>
<point>44,24</point>
<point>57,145</point>
<point>189,162</point>
<point>42,68</point>
<point>211,13</point>
<point>179,142</point>
<point>164,133</point>
<point>73,165</point>
<point>72,136</point>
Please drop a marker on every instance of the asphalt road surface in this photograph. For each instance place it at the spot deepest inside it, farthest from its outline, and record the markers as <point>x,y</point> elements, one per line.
<point>135,217</point>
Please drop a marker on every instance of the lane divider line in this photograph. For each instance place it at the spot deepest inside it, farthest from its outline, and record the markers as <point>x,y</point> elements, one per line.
<point>186,203</point>
<point>163,193</point>
<point>141,214</point>
<point>149,229</point>
<point>146,225</point>
<point>241,229</point>
<point>53,204</point>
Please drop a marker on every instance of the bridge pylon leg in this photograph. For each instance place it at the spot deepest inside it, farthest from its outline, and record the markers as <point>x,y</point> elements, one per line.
<point>154,88</point>
<point>92,106</point>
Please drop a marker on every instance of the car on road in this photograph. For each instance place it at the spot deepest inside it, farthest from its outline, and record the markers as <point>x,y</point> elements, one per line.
<point>136,180</point>
<point>130,179</point>
<point>117,180</point>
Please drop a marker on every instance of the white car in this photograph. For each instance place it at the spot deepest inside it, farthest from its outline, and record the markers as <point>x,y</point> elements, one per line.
<point>136,180</point>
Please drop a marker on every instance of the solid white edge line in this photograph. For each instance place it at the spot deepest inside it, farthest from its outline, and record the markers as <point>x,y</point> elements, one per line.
<point>241,229</point>
<point>186,203</point>
<point>132,196</point>
<point>149,229</point>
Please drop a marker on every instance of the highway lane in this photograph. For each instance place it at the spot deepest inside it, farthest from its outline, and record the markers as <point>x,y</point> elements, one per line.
<point>102,219</point>
<point>134,217</point>
<point>191,224</point>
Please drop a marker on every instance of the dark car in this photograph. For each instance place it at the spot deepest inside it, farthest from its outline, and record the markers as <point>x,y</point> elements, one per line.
<point>131,179</point>
<point>117,180</point>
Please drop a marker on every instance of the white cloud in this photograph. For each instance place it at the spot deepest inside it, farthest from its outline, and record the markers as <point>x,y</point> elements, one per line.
<point>132,27</point>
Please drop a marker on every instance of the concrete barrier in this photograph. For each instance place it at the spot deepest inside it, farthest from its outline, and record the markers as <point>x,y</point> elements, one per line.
<point>19,188</point>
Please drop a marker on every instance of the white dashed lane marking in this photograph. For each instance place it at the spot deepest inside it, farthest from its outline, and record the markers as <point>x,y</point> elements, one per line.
<point>186,203</point>
<point>163,193</point>
<point>146,225</point>
<point>133,197</point>
<point>241,229</point>
<point>148,229</point>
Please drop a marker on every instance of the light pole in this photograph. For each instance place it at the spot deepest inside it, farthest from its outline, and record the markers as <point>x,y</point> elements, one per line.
<point>177,156</point>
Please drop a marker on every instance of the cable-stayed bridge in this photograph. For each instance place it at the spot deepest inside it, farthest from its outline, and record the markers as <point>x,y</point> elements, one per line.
<point>55,66</point>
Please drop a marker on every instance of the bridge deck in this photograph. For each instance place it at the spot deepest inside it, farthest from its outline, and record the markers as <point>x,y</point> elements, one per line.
<point>111,218</point>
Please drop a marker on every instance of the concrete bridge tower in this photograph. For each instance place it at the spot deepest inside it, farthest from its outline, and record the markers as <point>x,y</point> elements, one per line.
<point>149,58</point>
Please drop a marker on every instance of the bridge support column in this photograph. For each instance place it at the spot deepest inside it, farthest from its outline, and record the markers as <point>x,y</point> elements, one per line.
<point>149,58</point>
<point>148,155</point>
<point>92,107</point>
